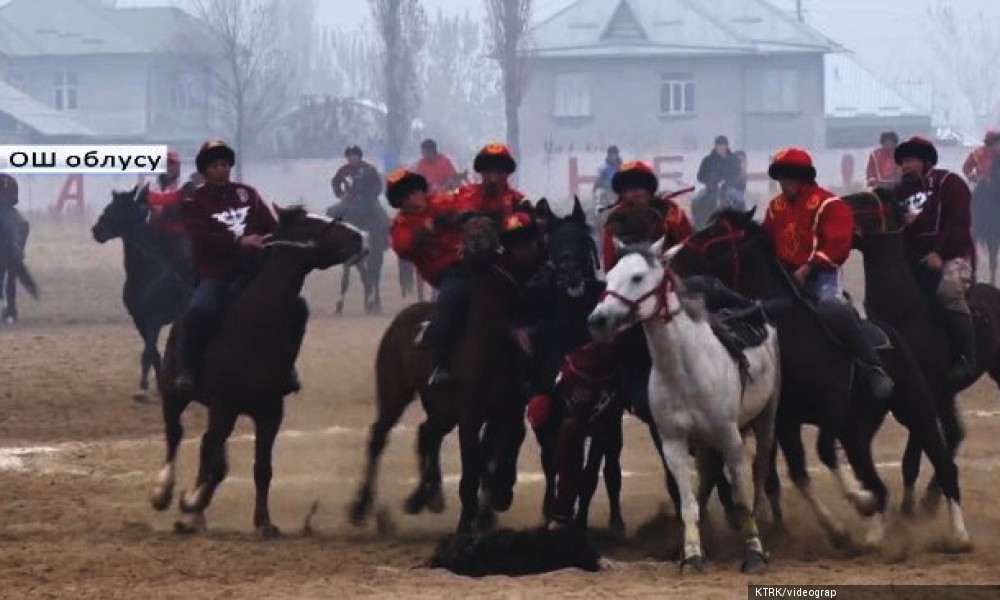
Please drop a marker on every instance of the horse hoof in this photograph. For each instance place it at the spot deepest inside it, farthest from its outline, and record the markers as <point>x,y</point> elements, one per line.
<point>358,512</point>
<point>195,524</point>
<point>695,564</point>
<point>501,501</point>
<point>957,545</point>
<point>415,503</point>
<point>435,503</point>
<point>618,529</point>
<point>161,498</point>
<point>384,525</point>
<point>754,562</point>
<point>268,532</point>
<point>864,502</point>
<point>190,503</point>
<point>487,521</point>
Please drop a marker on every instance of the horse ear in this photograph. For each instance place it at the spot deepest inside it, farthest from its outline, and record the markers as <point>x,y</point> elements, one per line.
<point>752,212</point>
<point>578,215</point>
<point>658,247</point>
<point>543,210</point>
<point>619,245</point>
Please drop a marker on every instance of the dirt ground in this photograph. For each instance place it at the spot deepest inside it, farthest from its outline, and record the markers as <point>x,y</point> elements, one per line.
<point>78,456</point>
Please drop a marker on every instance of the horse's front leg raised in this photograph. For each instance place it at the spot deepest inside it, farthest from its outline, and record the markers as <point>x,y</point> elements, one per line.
<point>675,454</point>
<point>268,422</point>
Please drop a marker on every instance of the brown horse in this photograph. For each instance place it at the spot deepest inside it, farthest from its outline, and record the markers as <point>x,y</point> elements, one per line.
<point>248,361</point>
<point>483,401</point>
<point>893,294</point>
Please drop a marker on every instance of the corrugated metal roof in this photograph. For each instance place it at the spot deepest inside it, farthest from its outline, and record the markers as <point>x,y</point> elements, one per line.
<point>72,27</point>
<point>590,28</point>
<point>854,91</point>
<point>34,114</point>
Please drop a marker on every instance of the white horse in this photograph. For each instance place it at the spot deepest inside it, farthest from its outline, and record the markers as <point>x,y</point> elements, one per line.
<point>696,393</point>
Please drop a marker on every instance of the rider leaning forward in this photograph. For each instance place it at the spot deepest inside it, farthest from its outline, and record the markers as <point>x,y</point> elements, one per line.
<point>813,231</point>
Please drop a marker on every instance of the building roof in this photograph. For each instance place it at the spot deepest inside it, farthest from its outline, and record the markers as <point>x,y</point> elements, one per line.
<point>73,27</point>
<point>852,91</point>
<point>603,28</point>
<point>39,117</point>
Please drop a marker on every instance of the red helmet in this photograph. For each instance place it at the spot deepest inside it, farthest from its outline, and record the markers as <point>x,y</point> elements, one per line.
<point>792,163</point>
<point>495,156</point>
<point>518,227</point>
<point>401,183</point>
<point>635,174</point>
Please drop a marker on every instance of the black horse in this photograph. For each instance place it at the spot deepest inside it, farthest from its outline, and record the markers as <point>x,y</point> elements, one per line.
<point>371,218</point>
<point>13,242</point>
<point>158,281</point>
<point>818,383</point>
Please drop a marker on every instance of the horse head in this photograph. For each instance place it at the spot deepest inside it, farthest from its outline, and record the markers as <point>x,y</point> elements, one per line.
<point>480,239</point>
<point>321,242</point>
<point>634,223</point>
<point>572,252</point>
<point>126,212</point>
<point>640,288</point>
<point>877,211</point>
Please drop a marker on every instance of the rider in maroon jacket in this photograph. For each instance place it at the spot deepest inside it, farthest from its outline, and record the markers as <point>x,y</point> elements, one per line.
<point>228,225</point>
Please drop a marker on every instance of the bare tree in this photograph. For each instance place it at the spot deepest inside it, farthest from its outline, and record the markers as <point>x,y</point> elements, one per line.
<point>969,50</point>
<point>252,73</point>
<point>508,22</point>
<point>402,25</point>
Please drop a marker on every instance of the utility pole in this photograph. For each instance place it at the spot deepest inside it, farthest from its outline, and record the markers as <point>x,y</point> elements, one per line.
<point>798,11</point>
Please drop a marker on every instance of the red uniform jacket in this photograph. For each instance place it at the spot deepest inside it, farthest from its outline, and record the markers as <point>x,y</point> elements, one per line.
<point>676,227</point>
<point>882,167</point>
<point>944,226</point>
<point>978,165</point>
<point>502,205</point>
<point>165,204</point>
<point>216,217</point>
<point>439,172</point>
<point>817,229</point>
<point>430,251</point>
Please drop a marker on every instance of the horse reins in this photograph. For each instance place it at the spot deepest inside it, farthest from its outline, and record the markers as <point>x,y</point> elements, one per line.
<point>667,284</point>
<point>733,237</point>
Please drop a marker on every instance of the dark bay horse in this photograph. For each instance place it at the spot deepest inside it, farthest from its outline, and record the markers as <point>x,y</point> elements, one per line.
<point>893,294</point>
<point>12,267</point>
<point>248,361</point>
<point>371,218</point>
<point>158,280</point>
<point>818,385</point>
<point>485,401</point>
<point>986,218</point>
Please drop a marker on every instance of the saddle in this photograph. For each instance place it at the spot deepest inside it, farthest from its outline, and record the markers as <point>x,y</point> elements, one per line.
<point>740,330</point>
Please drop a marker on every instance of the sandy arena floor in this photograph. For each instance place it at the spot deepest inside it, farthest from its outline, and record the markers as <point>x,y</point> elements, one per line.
<point>77,457</point>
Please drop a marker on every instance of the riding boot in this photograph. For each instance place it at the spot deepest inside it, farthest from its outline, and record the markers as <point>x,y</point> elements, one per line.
<point>198,329</point>
<point>846,325</point>
<point>962,332</point>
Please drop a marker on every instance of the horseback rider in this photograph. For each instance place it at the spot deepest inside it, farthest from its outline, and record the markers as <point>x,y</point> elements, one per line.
<point>602,185</point>
<point>721,174</point>
<point>165,207</point>
<point>979,164</point>
<point>436,168</point>
<point>636,186</point>
<point>813,230</point>
<point>10,221</point>
<point>357,181</point>
<point>882,169</point>
<point>229,225</point>
<point>426,232</point>
<point>939,236</point>
<point>494,196</point>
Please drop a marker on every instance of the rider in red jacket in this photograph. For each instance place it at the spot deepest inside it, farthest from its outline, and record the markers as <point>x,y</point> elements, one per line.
<point>228,225</point>
<point>494,196</point>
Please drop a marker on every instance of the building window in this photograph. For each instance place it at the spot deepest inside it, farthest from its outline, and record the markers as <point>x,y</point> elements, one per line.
<point>66,90</point>
<point>572,95</point>
<point>772,91</point>
<point>186,92</point>
<point>676,94</point>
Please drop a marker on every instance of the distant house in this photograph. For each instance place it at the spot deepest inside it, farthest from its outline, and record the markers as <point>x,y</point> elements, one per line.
<point>859,106</point>
<point>673,74</point>
<point>126,75</point>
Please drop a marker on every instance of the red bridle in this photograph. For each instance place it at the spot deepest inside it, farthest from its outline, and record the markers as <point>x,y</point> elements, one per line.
<point>732,237</point>
<point>667,284</point>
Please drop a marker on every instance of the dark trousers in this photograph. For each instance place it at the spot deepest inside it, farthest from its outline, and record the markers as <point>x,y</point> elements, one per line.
<point>452,311</point>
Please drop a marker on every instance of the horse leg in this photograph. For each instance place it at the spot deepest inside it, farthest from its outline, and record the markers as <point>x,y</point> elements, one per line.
<point>163,491</point>
<point>267,422</point>
<point>789,436</point>
<point>376,281</point>
<point>547,439</point>
<point>10,296</point>
<point>393,397</point>
<point>862,500</point>
<point>150,358</point>
<point>734,456</point>
<point>675,454</point>
<point>470,446</point>
<point>954,433</point>
<point>345,283</point>
<point>710,467</point>
<point>857,445</point>
<point>911,470</point>
<point>212,465</point>
<point>614,441</point>
<point>428,493</point>
<point>673,490</point>
<point>505,448</point>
